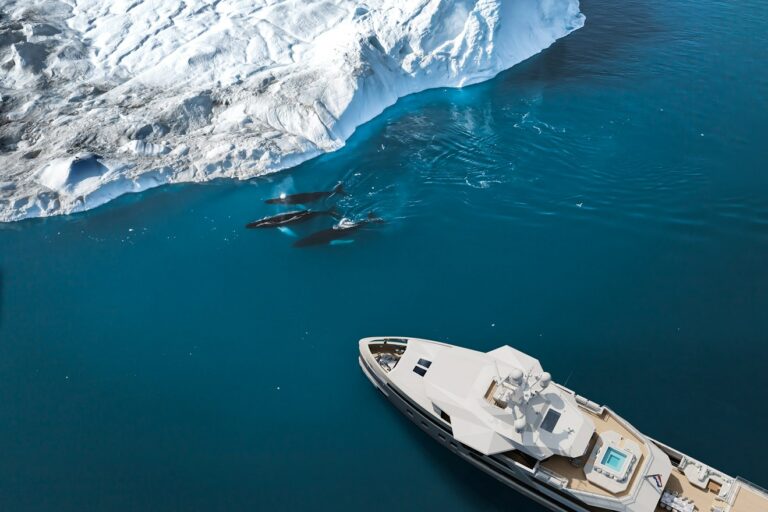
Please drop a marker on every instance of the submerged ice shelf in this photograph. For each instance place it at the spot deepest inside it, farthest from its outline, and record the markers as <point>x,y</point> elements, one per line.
<point>101,98</point>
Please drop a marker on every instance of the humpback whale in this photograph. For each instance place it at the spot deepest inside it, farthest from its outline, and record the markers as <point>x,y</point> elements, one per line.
<point>345,227</point>
<point>306,197</point>
<point>294,217</point>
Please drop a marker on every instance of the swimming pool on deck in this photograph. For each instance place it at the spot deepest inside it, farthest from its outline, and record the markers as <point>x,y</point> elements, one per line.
<point>614,459</point>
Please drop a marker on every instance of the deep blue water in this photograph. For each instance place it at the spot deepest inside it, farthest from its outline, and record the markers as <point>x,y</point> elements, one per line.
<point>602,206</point>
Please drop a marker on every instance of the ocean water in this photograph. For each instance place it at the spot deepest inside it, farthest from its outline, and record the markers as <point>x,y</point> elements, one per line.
<point>602,206</point>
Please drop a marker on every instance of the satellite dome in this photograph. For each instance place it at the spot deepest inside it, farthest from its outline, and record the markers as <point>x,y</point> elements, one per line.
<point>520,424</point>
<point>545,379</point>
<point>516,374</point>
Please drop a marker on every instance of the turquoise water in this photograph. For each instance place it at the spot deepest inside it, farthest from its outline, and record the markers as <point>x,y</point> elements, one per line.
<point>603,207</point>
<point>614,459</point>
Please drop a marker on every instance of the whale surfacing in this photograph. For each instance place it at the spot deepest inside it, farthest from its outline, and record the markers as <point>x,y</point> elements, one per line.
<point>344,229</point>
<point>293,217</point>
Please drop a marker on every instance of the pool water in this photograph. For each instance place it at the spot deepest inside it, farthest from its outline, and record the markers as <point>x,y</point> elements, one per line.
<point>614,459</point>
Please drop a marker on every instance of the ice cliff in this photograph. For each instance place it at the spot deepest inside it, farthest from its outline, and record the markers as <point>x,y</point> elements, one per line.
<point>104,97</point>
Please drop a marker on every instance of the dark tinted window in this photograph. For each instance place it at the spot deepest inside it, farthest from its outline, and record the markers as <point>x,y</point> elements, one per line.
<point>550,420</point>
<point>425,363</point>
<point>418,369</point>
<point>445,417</point>
<point>398,340</point>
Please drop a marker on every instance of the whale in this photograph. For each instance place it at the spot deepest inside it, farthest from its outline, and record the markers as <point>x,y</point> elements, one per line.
<point>293,217</point>
<point>344,228</point>
<point>307,197</point>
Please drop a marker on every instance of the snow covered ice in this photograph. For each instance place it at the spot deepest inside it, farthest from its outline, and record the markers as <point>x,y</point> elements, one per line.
<point>105,97</point>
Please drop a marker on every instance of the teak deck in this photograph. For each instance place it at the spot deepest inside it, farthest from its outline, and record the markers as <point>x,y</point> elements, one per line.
<point>577,480</point>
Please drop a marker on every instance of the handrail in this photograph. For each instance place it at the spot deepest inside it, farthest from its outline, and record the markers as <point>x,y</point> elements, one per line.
<point>749,485</point>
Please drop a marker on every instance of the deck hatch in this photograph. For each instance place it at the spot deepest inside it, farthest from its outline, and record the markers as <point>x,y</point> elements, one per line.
<point>424,363</point>
<point>550,420</point>
<point>418,369</point>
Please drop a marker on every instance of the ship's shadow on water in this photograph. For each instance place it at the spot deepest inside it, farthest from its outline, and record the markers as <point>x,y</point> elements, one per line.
<point>610,33</point>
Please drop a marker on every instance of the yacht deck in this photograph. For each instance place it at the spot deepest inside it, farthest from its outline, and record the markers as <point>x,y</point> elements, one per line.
<point>573,471</point>
<point>703,499</point>
<point>749,499</point>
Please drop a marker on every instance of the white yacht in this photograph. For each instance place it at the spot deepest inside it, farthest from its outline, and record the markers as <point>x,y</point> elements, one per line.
<point>501,412</point>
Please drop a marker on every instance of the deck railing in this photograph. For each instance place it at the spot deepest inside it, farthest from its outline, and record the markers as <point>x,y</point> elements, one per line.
<point>748,485</point>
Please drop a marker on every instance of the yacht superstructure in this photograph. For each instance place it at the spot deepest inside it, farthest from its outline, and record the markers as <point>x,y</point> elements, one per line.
<point>500,411</point>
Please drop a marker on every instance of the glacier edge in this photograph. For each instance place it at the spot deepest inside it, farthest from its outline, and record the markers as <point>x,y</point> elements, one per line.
<point>106,98</point>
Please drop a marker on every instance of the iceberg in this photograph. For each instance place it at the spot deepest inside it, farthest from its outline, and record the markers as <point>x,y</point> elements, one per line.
<point>104,97</point>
